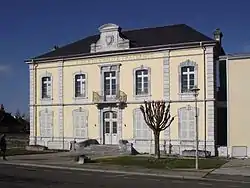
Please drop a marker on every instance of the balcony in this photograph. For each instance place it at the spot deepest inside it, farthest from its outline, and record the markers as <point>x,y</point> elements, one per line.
<point>100,97</point>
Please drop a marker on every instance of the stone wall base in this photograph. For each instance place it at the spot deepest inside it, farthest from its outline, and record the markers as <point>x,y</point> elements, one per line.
<point>142,146</point>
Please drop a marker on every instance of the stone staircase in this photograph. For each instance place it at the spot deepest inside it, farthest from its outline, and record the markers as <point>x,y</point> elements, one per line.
<point>96,150</point>
<point>104,150</point>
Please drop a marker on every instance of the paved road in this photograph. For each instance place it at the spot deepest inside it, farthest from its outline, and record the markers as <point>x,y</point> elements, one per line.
<point>20,177</point>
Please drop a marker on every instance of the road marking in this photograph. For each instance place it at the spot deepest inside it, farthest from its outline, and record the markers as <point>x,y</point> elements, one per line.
<point>178,181</point>
<point>114,176</point>
<point>208,184</point>
<point>120,172</point>
<point>127,177</point>
<point>67,172</point>
<point>151,179</point>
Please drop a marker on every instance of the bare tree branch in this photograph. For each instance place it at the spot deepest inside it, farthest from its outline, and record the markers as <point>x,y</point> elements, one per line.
<point>157,116</point>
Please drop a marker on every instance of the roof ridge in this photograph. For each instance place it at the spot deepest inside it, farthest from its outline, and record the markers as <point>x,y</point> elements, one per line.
<point>151,27</point>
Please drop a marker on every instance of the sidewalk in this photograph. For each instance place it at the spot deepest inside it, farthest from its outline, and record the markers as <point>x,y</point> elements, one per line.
<point>236,168</point>
<point>63,160</point>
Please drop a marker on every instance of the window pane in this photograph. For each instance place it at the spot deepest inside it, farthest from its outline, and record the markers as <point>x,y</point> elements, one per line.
<point>183,69</point>
<point>114,115</point>
<point>191,84</point>
<point>139,72</point>
<point>145,72</point>
<point>191,68</point>
<point>138,79</point>
<point>113,92</point>
<point>107,127</point>
<point>114,127</point>
<point>107,91</point>
<point>138,90</point>
<point>113,81</point>
<point>106,115</point>
<point>106,75</point>
<point>184,77</point>
<point>191,76</point>
<point>145,88</point>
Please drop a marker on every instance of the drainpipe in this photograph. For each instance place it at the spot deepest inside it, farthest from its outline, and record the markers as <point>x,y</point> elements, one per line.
<point>63,103</point>
<point>205,97</point>
<point>35,65</point>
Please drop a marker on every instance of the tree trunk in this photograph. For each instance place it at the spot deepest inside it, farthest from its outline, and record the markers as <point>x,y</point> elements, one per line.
<point>157,145</point>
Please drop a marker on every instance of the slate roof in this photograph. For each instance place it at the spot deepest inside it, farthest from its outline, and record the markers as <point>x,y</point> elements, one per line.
<point>146,37</point>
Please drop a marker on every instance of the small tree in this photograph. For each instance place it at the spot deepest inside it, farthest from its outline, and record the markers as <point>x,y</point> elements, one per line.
<point>2,112</point>
<point>157,116</point>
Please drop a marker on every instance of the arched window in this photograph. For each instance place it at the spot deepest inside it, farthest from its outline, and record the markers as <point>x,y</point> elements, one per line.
<point>142,85</point>
<point>46,86</point>
<point>80,82</point>
<point>188,76</point>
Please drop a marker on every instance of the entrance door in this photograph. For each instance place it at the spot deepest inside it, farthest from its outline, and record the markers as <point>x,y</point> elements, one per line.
<point>110,128</point>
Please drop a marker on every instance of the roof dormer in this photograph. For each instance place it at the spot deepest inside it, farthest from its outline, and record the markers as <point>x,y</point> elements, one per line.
<point>110,39</point>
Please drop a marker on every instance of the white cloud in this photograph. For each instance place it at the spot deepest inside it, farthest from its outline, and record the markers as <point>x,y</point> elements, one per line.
<point>4,68</point>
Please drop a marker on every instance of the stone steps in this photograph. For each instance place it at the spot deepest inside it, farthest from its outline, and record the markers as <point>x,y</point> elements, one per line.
<point>102,150</point>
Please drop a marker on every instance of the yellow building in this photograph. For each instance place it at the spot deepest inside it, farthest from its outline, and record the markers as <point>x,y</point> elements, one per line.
<point>93,88</point>
<point>238,140</point>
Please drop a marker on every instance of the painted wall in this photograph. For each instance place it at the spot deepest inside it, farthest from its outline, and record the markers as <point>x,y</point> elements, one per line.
<point>238,106</point>
<point>162,87</point>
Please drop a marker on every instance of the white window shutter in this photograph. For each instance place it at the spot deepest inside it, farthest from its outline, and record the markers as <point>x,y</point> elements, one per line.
<point>42,124</point>
<point>192,128</point>
<point>49,124</point>
<point>80,124</point>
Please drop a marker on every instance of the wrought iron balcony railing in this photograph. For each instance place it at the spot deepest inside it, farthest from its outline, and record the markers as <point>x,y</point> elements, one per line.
<point>101,97</point>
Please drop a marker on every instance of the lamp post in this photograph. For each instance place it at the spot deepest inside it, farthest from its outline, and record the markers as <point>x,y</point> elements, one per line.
<point>195,91</point>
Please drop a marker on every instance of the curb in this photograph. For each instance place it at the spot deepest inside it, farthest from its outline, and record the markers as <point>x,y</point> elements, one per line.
<point>124,172</point>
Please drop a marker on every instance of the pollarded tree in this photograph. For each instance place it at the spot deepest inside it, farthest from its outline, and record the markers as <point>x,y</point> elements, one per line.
<point>157,116</point>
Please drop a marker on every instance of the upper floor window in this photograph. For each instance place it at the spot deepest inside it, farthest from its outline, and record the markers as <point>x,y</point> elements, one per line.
<point>80,85</point>
<point>46,87</point>
<point>187,78</point>
<point>142,82</point>
<point>110,83</point>
<point>188,71</point>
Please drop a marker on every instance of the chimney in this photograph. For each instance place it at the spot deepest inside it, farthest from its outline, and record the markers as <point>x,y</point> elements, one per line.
<point>55,47</point>
<point>218,35</point>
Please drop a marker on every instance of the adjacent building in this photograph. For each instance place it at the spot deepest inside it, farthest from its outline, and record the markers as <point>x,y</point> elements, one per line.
<point>93,88</point>
<point>238,119</point>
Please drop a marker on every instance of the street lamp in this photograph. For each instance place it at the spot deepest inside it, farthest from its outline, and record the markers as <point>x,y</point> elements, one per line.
<point>195,91</point>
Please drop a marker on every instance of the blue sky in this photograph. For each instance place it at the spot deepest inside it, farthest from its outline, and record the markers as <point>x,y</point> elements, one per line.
<point>32,27</point>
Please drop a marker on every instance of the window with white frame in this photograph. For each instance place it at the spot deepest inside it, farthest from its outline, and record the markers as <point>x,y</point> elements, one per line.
<point>80,85</point>
<point>187,123</point>
<point>141,82</point>
<point>46,87</point>
<point>110,83</point>
<point>141,129</point>
<point>187,78</point>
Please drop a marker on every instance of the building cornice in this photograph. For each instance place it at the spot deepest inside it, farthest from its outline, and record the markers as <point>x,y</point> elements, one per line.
<point>125,52</point>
